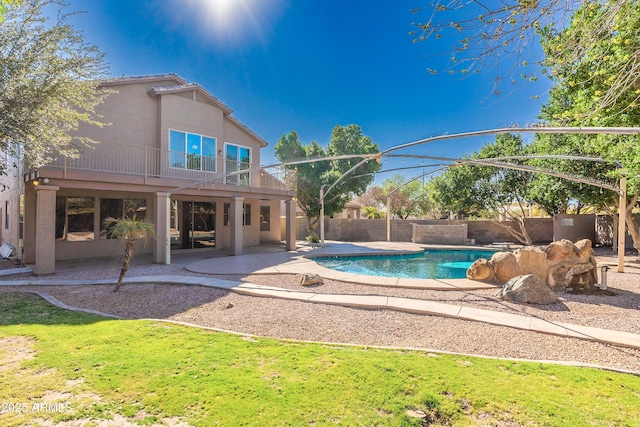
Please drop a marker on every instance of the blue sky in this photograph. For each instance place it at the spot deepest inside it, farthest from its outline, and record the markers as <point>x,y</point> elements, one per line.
<point>301,65</point>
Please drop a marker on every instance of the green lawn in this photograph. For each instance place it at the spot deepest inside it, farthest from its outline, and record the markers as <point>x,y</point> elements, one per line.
<point>150,372</point>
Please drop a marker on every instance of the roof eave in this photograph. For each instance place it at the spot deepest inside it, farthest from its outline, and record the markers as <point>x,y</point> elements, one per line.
<point>189,87</point>
<point>117,81</point>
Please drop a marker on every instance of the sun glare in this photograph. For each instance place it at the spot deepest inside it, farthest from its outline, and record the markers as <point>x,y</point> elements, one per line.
<point>230,21</point>
<point>222,13</point>
<point>220,9</point>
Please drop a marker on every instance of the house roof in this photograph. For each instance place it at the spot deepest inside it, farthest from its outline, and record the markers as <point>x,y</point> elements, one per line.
<point>146,78</point>
<point>182,86</point>
<point>190,87</point>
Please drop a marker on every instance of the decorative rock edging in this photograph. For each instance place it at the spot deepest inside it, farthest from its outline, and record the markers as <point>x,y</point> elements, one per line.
<point>12,271</point>
<point>54,301</point>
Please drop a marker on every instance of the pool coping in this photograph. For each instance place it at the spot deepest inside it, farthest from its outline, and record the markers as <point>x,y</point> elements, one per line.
<point>296,262</point>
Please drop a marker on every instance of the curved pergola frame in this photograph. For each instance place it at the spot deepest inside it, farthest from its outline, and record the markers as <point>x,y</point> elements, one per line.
<point>621,190</point>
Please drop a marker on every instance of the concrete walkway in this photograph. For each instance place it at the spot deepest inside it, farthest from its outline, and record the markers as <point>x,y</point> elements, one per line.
<point>276,261</point>
<point>517,321</point>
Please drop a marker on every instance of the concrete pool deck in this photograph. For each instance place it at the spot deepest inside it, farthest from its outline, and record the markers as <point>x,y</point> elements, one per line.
<point>294,262</point>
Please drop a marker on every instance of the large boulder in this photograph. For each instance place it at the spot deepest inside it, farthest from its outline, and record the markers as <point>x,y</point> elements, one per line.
<point>557,277</point>
<point>505,266</point>
<point>481,270</point>
<point>527,289</point>
<point>308,279</point>
<point>584,249</point>
<point>561,265</point>
<point>572,266</point>
<point>561,250</point>
<point>532,260</point>
<point>583,278</point>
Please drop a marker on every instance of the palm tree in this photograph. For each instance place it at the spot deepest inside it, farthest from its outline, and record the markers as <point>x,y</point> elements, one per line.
<point>128,229</point>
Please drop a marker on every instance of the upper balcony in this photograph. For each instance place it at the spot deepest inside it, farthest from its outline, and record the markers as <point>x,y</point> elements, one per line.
<point>154,164</point>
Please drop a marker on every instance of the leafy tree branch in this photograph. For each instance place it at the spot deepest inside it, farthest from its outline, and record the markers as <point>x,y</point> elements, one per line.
<point>48,83</point>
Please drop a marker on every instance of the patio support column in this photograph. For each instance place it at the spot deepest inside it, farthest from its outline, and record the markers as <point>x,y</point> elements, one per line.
<point>29,245</point>
<point>290,224</point>
<point>388,218</point>
<point>622,223</point>
<point>322,216</point>
<point>45,235</point>
<point>162,247</point>
<point>235,218</point>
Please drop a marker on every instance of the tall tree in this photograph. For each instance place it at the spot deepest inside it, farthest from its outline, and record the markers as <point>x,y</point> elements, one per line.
<point>452,191</point>
<point>429,205</point>
<point>313,175</point>
<point>3,7</point>
<point>403,196</point>
<point>373,197</point>
<point>504,192</point>
<point>582,92</point>
<point>48,82</point>
<point>493,192</point>
<point>559,195</point>
<point>503,36</point>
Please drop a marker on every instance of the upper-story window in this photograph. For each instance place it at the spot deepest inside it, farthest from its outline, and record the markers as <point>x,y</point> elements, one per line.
<point>192,151</point>
<point>237,158</point>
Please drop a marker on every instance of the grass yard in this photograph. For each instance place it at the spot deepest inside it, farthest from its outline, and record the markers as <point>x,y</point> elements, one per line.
<point>58,366</point>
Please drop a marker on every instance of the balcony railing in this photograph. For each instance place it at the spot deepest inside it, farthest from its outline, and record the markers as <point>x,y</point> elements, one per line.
<point>149,162</point>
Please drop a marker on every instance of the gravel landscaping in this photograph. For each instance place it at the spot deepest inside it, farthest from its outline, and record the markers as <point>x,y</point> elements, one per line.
<point>318,322</point>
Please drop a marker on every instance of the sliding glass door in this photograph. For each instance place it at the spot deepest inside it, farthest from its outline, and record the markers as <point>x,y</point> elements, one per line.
<point>193,225</point>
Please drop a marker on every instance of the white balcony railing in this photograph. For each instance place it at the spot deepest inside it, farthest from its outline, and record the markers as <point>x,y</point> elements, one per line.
<point>149,162</point>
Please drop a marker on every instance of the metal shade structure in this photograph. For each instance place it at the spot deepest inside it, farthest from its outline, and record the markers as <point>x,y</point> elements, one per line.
<point>621,190</point>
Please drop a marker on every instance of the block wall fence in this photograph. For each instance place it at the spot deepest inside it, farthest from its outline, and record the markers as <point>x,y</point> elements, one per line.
<point>599,229</point>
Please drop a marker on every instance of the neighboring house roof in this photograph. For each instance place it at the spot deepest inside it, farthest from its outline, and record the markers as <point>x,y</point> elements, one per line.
<point>182,86</point>
<point>353,205</point>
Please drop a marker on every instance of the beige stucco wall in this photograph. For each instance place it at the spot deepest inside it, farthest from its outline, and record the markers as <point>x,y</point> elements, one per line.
<point>138,119</point>
<point>250,233</point>
<point>275,232</point>
<point>130,115</point>
<point>135,117</point>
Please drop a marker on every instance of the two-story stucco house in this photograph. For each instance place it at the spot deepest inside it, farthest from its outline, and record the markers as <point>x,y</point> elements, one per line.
<point>171,153</point>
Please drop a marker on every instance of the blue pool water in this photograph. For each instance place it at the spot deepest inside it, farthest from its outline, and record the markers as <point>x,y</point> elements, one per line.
<point>432,264</point>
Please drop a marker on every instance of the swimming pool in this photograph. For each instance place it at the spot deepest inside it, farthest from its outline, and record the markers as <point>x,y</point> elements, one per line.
<point>432,264</point>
